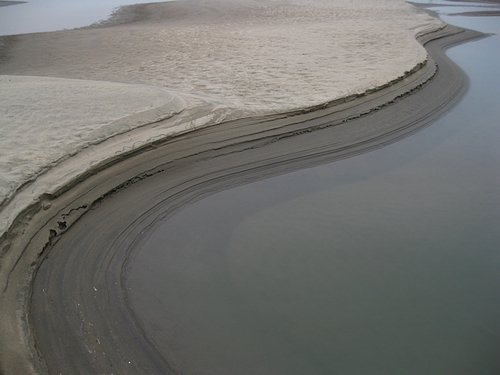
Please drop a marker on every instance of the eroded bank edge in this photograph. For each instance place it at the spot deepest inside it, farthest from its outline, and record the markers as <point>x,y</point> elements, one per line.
<point>13,206</point>
<point>40,225</point>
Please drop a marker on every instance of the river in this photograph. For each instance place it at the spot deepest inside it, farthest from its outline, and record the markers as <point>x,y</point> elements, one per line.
<point>383,263</point>
<point>33,16</point>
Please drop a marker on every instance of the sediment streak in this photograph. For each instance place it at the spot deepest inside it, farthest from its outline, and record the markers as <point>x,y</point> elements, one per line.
<point>75,317</point>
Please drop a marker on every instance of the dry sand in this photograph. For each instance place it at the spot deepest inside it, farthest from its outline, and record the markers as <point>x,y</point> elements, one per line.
<point>46,120</point>
<point>252,56</point>
<point>221,59</point>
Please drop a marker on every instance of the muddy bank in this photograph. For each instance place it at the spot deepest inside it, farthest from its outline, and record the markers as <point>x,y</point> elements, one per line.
<point>185,168</point>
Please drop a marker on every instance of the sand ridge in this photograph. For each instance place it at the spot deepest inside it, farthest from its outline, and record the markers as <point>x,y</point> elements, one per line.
<point>46,120</point>
<point>257,56</point>
<point>229,58</point>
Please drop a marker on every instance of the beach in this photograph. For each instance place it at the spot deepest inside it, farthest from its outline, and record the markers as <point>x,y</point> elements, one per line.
<point>232,88</point>
<point>230,68</point>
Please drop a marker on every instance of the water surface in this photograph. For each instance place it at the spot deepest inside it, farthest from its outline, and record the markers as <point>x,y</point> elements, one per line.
<point>51,15</point>
<point>384,263</point>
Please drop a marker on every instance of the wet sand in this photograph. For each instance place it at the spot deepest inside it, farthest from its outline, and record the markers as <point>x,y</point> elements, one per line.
<point>478,1</point>
<point>165,175</point>
<point>486,13</point>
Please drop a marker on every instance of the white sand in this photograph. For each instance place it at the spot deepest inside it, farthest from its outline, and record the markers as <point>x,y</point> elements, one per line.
<point>243,58</point>
<point>46,120</point>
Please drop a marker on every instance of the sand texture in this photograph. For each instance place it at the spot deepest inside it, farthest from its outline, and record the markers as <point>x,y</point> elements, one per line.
<point>83,321</point>
<point>258,56</point>
<point>123,98</point>
<point>46,120</point>
<point>218,59</point>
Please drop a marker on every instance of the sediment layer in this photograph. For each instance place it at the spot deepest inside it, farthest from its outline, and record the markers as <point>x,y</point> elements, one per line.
<point>165,175</point>
<point>236,64</point>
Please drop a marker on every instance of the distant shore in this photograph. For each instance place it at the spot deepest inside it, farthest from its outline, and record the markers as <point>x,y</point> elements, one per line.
<point>7,3</point>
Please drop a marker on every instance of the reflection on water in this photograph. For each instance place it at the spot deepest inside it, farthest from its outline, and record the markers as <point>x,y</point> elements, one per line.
<point>50,15</point>
<point>385,263</point>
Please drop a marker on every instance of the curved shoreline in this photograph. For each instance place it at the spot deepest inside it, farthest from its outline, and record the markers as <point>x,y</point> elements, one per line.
<point>323,68</point>
<point>41,229</point>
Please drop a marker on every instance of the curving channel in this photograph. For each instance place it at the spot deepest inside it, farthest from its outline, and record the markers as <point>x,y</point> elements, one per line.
<point>250,252</point>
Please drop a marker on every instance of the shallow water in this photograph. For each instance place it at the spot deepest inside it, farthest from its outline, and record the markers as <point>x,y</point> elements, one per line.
<point>384,263</point>
<point>51,15</point>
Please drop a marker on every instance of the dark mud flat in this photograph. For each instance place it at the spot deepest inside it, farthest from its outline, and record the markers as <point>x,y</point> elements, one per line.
<point>477,1</point>
<point>82,317</point>
<point>7,3</point>
<point>487,13</point>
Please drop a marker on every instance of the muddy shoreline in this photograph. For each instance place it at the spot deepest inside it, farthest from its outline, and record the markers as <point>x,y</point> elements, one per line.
<point>231,69</point>
<point>9,3</point>
<point>353,125</point>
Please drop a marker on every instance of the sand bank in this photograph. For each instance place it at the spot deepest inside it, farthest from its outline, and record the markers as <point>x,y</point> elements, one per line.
<point>230,153</point>
<point>157,72</point>
<point>244,55</point>
<point>47,120</point>
<point>222,59</point>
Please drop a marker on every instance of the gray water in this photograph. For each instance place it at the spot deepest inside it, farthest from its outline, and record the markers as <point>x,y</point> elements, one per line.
<point>51,15</point>
<point>384,263</point>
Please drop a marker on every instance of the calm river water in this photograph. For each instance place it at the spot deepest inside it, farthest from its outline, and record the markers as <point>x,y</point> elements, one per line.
<point>384,263</point>
<point>34,16</point>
